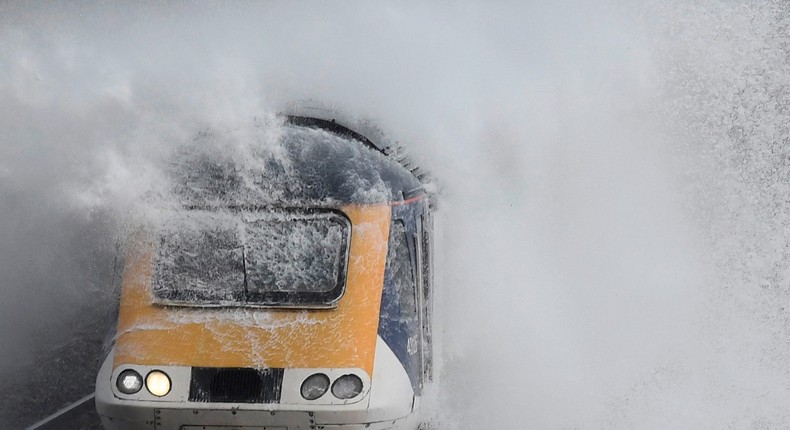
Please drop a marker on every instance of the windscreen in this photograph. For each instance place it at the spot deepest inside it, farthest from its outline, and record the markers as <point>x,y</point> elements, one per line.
<point>252,259</point>
<point>200,260</point>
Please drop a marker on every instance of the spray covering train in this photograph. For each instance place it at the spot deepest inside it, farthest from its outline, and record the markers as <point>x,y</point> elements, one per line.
<point>292,295</point>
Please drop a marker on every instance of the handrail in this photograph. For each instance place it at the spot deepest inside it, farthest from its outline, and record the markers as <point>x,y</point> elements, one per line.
<point>61,412</point>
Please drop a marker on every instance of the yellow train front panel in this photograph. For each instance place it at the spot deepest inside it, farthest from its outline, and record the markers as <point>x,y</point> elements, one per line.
<point>344,337</point>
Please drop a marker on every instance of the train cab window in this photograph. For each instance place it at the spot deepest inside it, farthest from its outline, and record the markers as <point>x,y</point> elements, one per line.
<point>200,260</point>
<point>299,260</point>
<point>253,259</point>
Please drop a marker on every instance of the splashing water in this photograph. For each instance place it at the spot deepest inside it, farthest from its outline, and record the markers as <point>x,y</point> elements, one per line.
<point>614,176</point>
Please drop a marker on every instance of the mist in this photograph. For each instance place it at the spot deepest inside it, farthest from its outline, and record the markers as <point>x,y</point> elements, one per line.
<point>613,182</point>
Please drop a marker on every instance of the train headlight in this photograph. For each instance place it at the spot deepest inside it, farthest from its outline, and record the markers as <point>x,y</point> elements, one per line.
<point>158,383</point>
<point>347,387</point>
<point>129,382</point>
<point>315,386</point>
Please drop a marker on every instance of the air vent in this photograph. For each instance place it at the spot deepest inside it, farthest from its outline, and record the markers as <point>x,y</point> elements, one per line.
<point>235,385</point>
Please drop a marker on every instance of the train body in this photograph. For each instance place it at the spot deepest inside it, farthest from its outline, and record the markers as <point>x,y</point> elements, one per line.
<point>298,299</point>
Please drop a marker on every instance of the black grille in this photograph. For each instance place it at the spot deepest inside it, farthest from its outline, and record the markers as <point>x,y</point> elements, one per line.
<point>235,385</point>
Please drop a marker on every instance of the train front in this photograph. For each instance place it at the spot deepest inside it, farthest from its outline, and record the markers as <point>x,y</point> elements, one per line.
<point>293,294</point>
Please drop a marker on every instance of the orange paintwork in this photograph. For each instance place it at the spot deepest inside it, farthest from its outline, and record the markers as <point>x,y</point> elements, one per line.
<point>345,337</point>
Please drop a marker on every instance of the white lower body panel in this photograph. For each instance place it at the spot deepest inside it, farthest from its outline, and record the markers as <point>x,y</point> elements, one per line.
<point>389,405</point>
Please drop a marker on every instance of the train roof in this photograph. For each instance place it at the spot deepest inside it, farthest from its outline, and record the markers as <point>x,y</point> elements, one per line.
<point>308,160</point>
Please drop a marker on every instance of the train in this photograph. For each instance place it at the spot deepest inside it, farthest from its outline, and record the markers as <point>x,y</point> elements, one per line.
<point>295,294</point>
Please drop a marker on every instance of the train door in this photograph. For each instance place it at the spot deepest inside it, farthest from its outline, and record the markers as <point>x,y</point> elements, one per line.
<point>424,263</point>
<point>404,322</point>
